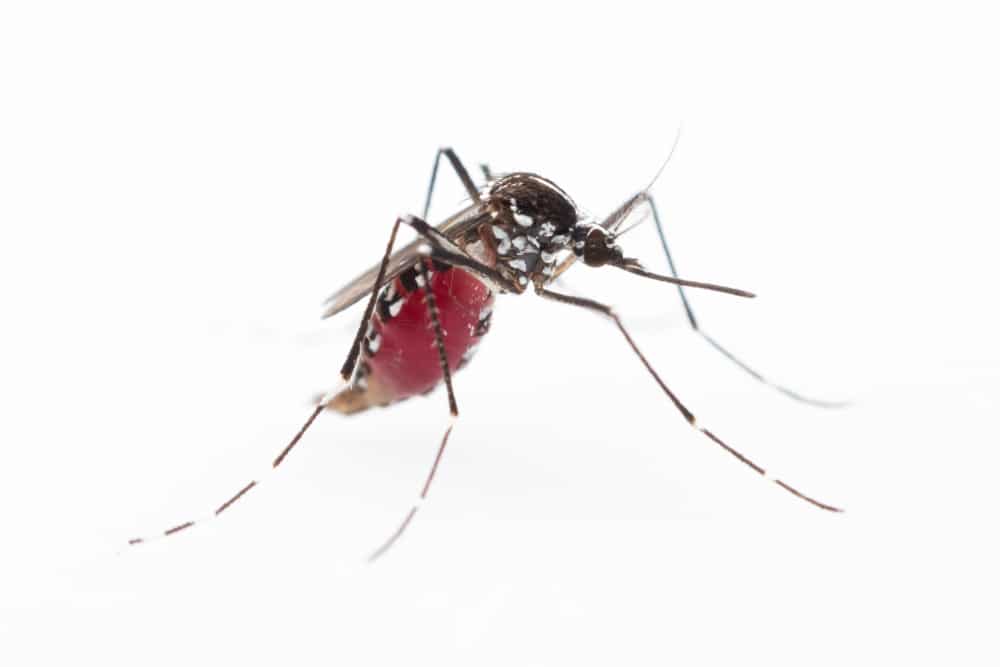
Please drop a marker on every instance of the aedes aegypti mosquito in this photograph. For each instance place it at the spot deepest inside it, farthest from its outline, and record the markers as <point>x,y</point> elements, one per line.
<point>431,302</point>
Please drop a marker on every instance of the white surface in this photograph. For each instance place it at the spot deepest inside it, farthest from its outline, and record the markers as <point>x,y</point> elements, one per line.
<point>183,184</point>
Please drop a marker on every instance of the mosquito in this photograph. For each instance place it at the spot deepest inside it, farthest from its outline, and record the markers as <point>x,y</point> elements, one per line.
<point>431,302</point>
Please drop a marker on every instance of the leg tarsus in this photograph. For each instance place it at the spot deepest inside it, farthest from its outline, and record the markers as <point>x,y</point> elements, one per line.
<point>608,312</point>
<point>242,492</point>
<point>452,408</point>
<point>644,198</point>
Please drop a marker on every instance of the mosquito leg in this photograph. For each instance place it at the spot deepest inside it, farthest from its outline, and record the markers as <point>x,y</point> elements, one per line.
<point>460,171</point>
<point>645,199</point>
<point>422,228</point>
<point>444,250</point>
<point>347,370</point>
<point>487,172</point>
<point>428,232</point>
<point>432,309</point>
<point>346,373</point>
<point>688,415</point>
<point>243,490</point>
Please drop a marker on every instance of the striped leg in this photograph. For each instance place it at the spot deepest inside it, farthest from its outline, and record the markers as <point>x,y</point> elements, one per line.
<point>347,372</point>
<point>688,415</point>
<point>245,489</point>
<point>644,199</point>
<point>432,309</point>
<point>443,249</point>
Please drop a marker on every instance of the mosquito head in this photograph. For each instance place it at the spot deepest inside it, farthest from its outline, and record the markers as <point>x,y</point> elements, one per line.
<point>596,245</point>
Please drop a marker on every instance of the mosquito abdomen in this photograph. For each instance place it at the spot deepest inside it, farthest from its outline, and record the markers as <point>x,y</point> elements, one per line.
<point>398,355</point>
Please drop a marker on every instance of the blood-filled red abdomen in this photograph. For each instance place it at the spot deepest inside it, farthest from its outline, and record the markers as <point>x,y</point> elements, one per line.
<point>399,356</point>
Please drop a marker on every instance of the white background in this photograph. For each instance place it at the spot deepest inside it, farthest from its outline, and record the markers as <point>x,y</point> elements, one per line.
<point>182,183</point>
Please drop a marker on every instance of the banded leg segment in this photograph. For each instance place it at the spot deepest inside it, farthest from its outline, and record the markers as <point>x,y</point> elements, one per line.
<point>443,249</point>
<point>645,199</point>
<point>608,312</point>
<point>244,490</point>
<point>440,248</point>
<point>427,232</point>
<point>347,370</point>
<point>432,309</point>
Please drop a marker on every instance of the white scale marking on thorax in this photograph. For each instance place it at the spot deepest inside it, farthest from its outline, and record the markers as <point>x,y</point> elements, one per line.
<point>504,246</point>
<point>523,220</point>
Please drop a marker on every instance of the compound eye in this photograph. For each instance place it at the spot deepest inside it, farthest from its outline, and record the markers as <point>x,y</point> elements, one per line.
<point>599,248</point>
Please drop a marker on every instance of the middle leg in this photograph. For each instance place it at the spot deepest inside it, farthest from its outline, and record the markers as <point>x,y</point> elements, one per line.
<point>432,309</point>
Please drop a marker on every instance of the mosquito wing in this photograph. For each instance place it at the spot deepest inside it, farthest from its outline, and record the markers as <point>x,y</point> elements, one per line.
<point>453,228</point>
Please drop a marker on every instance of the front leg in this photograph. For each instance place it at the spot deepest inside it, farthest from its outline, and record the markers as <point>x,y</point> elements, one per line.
<point>607,311</point>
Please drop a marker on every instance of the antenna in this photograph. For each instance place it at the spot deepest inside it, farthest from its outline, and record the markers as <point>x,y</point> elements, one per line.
<point>677,138</point>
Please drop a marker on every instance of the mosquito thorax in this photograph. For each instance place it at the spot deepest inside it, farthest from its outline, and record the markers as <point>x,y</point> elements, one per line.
<point>532,220</point>
<point>595,245</point>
